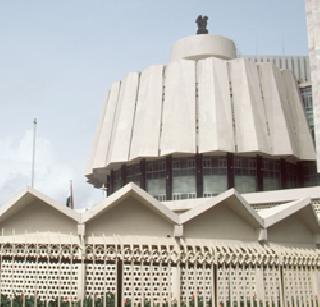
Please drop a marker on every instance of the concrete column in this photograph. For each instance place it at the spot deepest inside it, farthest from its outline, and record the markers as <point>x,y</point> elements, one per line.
<point>119,298</point>
<point>283,174</point>
<point>282,288</point>
<point>112,183</point>
<point>300,175</point>
<point>123,174</point>
<point>259,173</point>
<point>169,177</point>
<point>143,174</point>
<point>108,186</point>
<point>230,170</point>
<point>81,287</point>
<point>214,288</point>
<point>199,175</point>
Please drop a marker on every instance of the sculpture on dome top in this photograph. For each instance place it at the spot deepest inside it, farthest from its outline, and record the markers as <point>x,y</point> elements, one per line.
<point>202,22</point>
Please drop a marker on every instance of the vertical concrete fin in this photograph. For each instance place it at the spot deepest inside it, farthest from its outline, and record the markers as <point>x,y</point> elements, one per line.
<point>178,130</point>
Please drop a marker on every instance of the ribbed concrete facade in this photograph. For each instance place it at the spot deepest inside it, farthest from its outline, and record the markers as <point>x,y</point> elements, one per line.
<point>313,24</point>
<point>214,105</point>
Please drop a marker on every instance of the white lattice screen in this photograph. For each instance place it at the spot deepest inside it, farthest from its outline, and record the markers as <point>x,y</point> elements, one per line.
<point>196,282</point>
<point>44,280</point>
<point>258,278</point>
<point>236,284</point>
<point>272,285</point>
<point>146,282</point>
<point>300,286</point>
<point>100,279</point>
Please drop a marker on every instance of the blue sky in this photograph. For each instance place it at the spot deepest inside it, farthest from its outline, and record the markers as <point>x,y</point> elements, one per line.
<point>58,58</point>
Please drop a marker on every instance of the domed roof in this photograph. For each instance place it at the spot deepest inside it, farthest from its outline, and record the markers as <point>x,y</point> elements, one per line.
<point>202,106</point>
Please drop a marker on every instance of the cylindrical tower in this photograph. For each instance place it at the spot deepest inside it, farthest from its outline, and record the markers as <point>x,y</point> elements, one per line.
<point>205,122</point>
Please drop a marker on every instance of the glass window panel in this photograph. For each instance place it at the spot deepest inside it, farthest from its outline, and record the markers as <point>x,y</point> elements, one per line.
<point>133,173</point>
<point>214,175</point>
<point>183,178</point>
<point>306,95</point>
<point>116,180</point>
<point>310,176</point>
<point>271,174</point>
<point>156,179</point>
<point>291,175</point>
<point>245,174</point>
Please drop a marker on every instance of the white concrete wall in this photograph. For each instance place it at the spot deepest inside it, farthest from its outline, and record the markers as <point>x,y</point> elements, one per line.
<point>290,231</point>
<point>246,134</point>
<point>258,105</point>
<point>123,124</point>
<point>38,217</point>
<point>240,106</point>
<point>214,106</point>
<point>220,223</point>
<point>280,141</point>
<point>287,111</point>
<point>305,144</point>
<point>201,46</point>
<point>146,130</point>
<point>103,143</point>
<point>178,117</point>
<point>130,217</point>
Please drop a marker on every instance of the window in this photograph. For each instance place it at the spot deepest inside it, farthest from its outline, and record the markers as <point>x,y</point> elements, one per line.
<point>156,179</point>
<point>271,174</point>
<point>291,176</point>
<point>214,175</point>
<point>306,96</point>
<point>134,173</point>
<point>116,180</point>
<point>245,174</point>
<point>310,176</point>
<point>183,178</point>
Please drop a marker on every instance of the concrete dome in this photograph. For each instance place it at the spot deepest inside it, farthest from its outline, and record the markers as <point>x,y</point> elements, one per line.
<point>204,106</point>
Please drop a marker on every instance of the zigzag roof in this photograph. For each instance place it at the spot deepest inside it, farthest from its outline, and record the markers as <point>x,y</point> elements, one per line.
<point>303,207</point>
<point>124,192</point>
<point>229,198</point>
<point>26,196</point>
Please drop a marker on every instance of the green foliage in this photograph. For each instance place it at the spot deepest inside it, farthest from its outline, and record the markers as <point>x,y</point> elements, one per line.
<point>17,301</point>
<point>110,299</point>
<point>127,303</point>
<point>98,302</point>
<point>87,302</point>
<point>5,301</point>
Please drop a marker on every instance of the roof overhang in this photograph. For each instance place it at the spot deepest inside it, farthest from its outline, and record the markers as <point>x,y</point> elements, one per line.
<point>28,195</point>
<point>130,190</point>
<point>302,207</point>
<point>233,200</point>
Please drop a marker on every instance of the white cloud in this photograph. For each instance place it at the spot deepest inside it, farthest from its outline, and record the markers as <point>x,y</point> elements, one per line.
<point>52,176</point>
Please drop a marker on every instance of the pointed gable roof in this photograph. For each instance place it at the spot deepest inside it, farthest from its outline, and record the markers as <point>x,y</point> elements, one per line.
<point>131,190</point>
<point>230,198</point>
<point>303,207</point>
<point>27,196</point>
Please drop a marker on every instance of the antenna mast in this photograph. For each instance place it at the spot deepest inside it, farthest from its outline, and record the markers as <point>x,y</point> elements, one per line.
<point>35,122</point>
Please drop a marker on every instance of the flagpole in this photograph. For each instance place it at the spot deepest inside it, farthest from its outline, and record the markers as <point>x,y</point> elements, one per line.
<point>35,122</point>
<point>71,196</point>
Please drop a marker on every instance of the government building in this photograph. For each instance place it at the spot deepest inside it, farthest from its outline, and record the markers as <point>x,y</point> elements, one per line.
<point>212,194</point>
